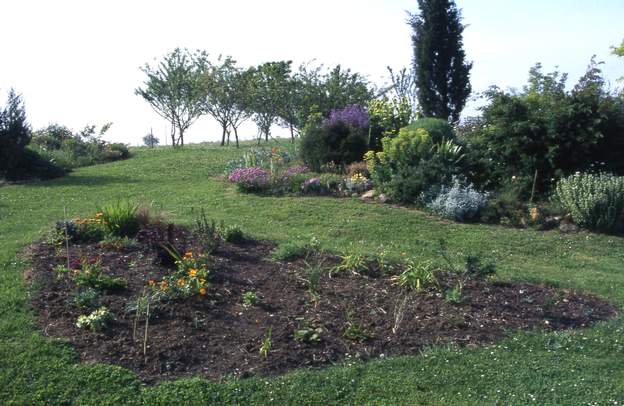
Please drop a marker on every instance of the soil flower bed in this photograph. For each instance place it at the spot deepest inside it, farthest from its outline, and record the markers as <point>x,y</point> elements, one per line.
<point>250,314</point>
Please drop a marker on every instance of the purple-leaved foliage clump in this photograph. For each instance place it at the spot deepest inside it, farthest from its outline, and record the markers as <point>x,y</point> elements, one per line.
<point>354,116</point>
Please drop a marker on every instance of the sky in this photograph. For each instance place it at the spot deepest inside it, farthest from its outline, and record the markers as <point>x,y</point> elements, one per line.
<point>78,62</point>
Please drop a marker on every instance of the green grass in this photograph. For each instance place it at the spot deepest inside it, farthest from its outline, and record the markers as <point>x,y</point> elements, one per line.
<point>579,367</point>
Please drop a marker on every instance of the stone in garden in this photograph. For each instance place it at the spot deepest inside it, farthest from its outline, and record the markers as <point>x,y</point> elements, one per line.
<point>370,195</point>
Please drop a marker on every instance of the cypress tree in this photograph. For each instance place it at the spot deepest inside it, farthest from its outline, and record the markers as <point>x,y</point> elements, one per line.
<point>442,73</point>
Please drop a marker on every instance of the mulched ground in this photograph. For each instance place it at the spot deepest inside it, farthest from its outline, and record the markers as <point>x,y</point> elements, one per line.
<point>216,335</point>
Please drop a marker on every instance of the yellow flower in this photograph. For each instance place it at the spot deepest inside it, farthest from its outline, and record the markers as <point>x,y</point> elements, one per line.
<point>188,255</point>
<point>192,272</point>
<point>181,282</point>
<point>534,213</point>
<point>164,285</point>
<point>202,281</point>
<point>202,291</point>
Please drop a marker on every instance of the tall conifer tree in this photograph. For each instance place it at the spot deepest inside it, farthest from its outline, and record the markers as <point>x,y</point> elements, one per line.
<point>442,73</point>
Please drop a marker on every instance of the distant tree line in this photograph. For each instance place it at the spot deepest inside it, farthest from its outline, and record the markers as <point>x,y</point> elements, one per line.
<point>186,85</point>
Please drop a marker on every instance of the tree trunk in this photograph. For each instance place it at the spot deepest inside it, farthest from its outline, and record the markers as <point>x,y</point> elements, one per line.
<point>224,126</point>
<point>292,133</point>
<point>173,138</point>
<point>236,136</point>
<point>181,137</point>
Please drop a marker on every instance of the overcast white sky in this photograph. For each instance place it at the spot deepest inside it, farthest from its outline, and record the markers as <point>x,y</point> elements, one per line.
<point>77,62</point>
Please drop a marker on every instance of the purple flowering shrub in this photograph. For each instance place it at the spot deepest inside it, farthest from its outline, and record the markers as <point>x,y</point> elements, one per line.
<point>253,179</point>
<point>354,116</point>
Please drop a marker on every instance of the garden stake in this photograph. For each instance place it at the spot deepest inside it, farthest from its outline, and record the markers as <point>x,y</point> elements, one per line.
<point>147,316</point>
<point>533,188</point>
<point>66,235</point>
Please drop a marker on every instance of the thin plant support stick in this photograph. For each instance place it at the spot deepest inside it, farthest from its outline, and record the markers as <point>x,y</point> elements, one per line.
<point>66,235</point>
<point>147,316</point>
<point>533,188</point>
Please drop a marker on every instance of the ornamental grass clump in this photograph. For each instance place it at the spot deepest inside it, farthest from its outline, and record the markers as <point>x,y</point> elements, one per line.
<point>595,201</point>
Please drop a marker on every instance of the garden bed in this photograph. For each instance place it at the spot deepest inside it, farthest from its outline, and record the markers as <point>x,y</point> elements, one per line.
<point>217,335</point>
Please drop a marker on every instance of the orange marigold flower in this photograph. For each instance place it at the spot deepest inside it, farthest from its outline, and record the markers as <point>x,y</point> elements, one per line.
<point>151,282</point>
<point>202,291</point>
<point>192,272</point>
<point>164,285</point>
<point>181,282</point>
<point>188,254</point>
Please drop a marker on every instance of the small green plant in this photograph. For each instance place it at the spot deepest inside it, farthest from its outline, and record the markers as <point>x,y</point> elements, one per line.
<point>61,270</point>
<point>313,271</point>
<point>474,267</point>
<point>97,321</point>
<point>91,275</point>
<point>384,264</point>
<point>416,276</point>
<point>291,251</point>
<point>120,218</point>
<point>233,233</point>
<point>190,278</point>
<point>355,263</point>
<point>119,244</point>
<point>250,299</point>
<point>355,332</point>
<point>207,232</point>
<point>308,334</point>
<point>86,298</point>
<point>267,342</point>
<point>454,295</point>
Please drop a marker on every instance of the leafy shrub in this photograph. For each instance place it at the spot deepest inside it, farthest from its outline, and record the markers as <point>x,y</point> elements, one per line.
<point>340,140</point>
<point>253,179</point>
<point>387,117</point>
<point>412,164</point>
<point>120,218</point>
<point>249,299</point>
<point>548,130</point>
<point>595,201</point>
<point>439,130</point>
<point>459,203</point>
<point>190,277</point>
<point>69,150</point>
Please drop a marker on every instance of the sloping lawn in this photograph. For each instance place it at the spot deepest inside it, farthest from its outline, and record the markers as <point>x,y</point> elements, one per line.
<point>575,367</point>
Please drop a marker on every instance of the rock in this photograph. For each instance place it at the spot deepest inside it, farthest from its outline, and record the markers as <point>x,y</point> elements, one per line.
<point>383,198</point>
<point>568,227</point>
<point>370,195</point>
<point>550,223</point>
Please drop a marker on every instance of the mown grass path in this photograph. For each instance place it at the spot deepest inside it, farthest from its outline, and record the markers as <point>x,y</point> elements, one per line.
<point>578,367</point>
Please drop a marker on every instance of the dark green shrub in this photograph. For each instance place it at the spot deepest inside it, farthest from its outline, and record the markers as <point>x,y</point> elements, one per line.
<point>437,129</point>
<point>14,135</point>
<point>333,142</point>
<point>119,151</point>
<point>31,164</point>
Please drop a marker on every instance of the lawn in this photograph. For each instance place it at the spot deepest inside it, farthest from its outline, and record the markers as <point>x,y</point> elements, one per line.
<point>575,367</point>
